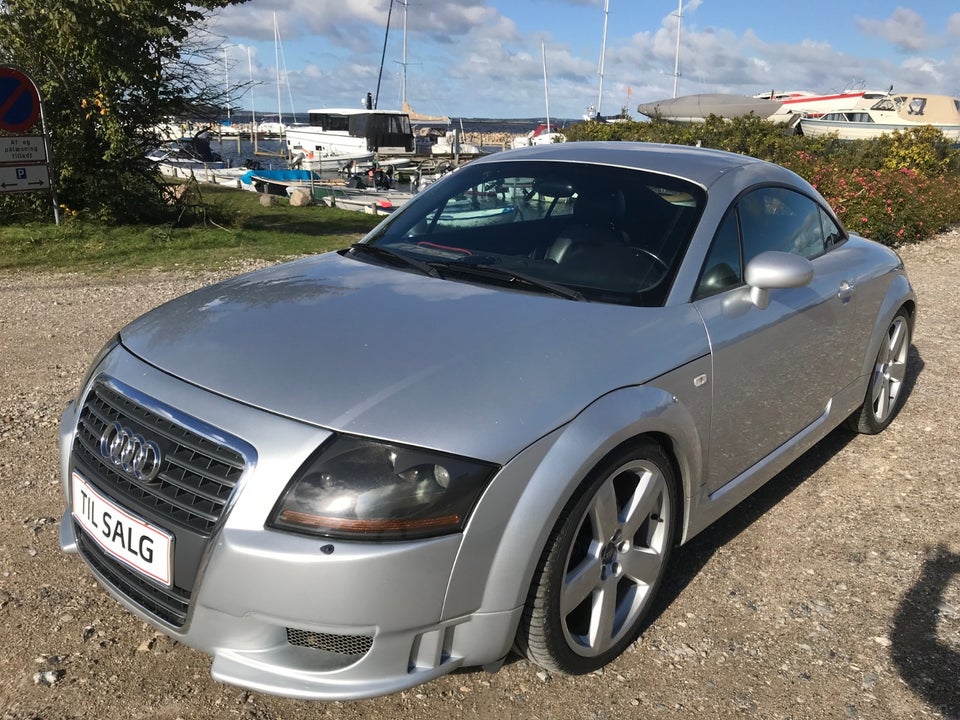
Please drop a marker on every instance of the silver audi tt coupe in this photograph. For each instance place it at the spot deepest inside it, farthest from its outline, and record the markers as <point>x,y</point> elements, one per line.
<point>483,427</point>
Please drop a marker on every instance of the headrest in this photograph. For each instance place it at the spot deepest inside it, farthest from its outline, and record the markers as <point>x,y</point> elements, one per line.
<point>599,206</point>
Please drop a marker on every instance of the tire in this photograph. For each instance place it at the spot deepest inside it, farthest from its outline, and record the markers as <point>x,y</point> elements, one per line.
<point>885,393</point>
<point>603,563</point>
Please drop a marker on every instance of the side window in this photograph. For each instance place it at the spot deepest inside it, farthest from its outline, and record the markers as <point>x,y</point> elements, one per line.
<point>780,219</point>
<point>723,269</point>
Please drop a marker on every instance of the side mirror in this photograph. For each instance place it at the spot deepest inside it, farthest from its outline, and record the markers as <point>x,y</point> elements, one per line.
<point>773,269</point>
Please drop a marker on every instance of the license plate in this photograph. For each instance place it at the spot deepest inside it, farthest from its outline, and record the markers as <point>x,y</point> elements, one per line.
<point>124,536</point>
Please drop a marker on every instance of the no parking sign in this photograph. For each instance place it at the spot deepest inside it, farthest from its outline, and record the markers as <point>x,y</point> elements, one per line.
<point>23,158</point>
<point>19,100</point>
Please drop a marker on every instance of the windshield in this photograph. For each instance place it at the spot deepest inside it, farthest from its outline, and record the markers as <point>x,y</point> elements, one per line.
<point>606,234</point>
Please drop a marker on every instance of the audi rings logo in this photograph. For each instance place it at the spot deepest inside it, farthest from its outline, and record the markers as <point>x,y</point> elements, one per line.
<point>130,452</point>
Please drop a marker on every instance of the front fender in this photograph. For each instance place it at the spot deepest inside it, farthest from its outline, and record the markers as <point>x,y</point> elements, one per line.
<point>510,526</point>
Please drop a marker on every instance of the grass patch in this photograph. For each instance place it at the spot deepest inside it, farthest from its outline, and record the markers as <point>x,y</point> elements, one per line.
<point>230,226</point>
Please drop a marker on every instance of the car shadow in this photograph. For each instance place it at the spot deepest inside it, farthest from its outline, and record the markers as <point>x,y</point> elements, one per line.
<point>688,560</point>
<point>929,666</point>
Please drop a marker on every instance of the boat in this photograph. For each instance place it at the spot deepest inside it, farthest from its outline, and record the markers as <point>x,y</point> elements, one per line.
<point>786,107</point>
<point>697,108</point>
<point>277,182</point>
<point>308,155</point>
<point>593,112</point>
<point>366,200</point>
<point>891,113</point>
<point>342,135</point>
<point>545,133</point>
<point>811,104</point>
<point>277,128</point>
<point>186,157</point>
<point>441,141</point>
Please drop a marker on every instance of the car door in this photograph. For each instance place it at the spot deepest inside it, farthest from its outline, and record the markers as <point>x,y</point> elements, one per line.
<point>774,369</point>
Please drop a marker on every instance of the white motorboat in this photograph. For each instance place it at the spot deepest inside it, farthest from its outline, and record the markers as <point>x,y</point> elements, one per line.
<point>893,112</point>
<point>811,104</point>
<point>370,201</point>
<point>432,139</point>
<point>338,136</point>
<point>328,159</point>
<point>186,157</point>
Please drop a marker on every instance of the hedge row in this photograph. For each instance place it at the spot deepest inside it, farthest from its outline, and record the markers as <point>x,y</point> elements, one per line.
<point>898,188</point>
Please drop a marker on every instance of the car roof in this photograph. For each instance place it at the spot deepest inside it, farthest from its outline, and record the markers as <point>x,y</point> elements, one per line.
<point>701,165</point>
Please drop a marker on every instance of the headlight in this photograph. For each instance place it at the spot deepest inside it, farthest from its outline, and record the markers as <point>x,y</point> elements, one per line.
<point>365,489</point>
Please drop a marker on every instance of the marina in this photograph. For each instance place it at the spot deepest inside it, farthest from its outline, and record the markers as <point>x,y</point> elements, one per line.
<point>370,182</point>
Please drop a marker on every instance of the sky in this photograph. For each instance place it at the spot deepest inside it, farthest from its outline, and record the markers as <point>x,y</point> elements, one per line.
<point>485,58</point>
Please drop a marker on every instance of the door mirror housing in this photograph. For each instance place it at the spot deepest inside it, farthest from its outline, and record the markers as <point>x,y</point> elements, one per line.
<point>774,269</point>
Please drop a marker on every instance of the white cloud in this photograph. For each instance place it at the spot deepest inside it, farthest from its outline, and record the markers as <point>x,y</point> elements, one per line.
<point>467,57</point>
<point>953,25</point>
<point>905,29</point>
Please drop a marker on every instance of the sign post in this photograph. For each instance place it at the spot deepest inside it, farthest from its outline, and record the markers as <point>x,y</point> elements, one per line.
<point>23,158</point>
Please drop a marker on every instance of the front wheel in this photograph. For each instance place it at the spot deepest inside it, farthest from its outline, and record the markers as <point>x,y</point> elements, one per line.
<point>603,563</point>
<point>885,390</point>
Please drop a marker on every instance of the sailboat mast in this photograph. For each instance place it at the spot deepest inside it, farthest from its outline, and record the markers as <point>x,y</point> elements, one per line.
<point>383,55</point>
<point>253,111</point>
<point>676,62</point>
<point>226,79</point>
<point>603,53</point>
<point>403,77</point>
<point>276,51</point>
<point>546,95</point>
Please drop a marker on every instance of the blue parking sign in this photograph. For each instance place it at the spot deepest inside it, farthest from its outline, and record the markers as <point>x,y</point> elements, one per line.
<point>21,173</point>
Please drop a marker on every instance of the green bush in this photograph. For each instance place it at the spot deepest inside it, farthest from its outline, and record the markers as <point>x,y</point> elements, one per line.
<point>901,187</point>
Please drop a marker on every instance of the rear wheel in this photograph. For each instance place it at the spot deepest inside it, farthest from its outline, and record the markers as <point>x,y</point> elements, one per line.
<point>603,563</point>
<point>885,391</point>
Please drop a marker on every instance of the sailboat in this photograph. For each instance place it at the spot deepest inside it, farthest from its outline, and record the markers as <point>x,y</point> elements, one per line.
<point>345,138</point>
<point>593,112</point>
<point>544,133</point>
<point>278,127</point>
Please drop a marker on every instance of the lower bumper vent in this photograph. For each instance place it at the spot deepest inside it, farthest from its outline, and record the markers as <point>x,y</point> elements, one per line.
<point>352,645</point>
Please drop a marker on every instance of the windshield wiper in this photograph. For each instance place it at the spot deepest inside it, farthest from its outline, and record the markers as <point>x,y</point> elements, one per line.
<point>512,276</point>
<point>396,257</point>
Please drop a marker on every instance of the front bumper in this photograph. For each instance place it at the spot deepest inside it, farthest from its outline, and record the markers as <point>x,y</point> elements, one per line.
<point>293,615</point>
<point>258,614</point>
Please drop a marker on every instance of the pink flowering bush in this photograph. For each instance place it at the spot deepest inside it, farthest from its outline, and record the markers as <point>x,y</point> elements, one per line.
<point>892,206</point>
<point>901,187</point>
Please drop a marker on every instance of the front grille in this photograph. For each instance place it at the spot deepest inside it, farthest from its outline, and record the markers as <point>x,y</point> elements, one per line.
<point>168,604</point>
<point>195,479</point>
<point>187,498</point>
<point>353,645</point>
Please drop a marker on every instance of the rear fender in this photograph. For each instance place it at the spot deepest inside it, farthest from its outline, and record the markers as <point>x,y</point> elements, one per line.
<point>899,293</point>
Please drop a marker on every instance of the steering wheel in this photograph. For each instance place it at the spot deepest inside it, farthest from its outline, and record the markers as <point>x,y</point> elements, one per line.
<point>656,258</point>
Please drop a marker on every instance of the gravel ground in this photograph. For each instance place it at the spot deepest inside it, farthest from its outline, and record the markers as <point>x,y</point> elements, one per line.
<point>832,593</point>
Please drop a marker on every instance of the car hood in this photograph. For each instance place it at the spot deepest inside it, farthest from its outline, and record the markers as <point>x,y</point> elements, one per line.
<point>360,348</point>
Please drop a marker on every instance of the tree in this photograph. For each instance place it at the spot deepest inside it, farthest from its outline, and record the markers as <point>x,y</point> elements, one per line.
<point>109,71</point>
